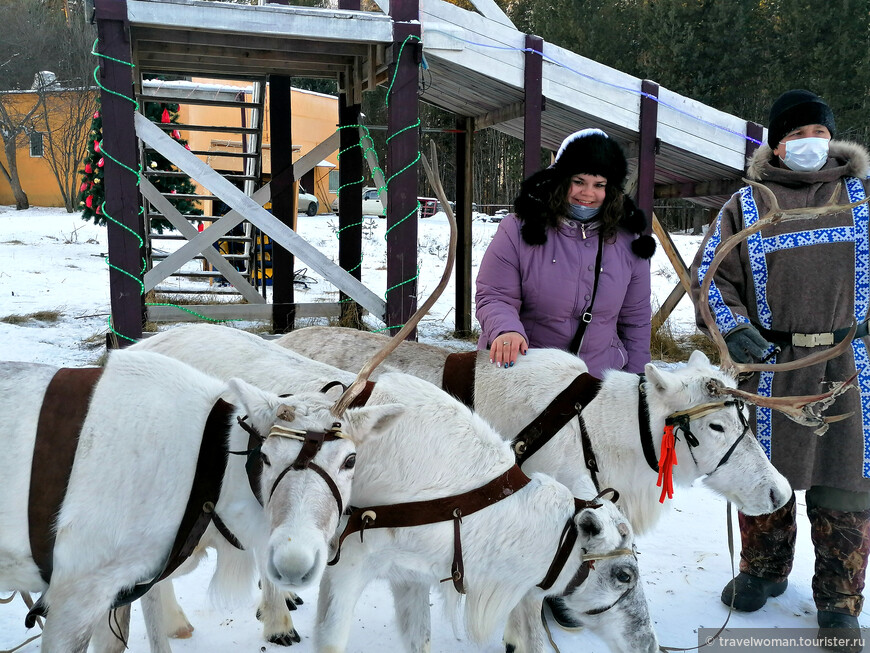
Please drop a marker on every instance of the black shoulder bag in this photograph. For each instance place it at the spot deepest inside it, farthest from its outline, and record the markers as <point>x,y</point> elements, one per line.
<point>586,318</point>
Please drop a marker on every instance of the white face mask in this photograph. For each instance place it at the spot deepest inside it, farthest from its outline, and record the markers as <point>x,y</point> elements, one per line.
<point>806,154</point>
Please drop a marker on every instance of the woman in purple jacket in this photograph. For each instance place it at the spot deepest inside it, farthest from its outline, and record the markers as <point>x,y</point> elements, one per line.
<point>537,282</point>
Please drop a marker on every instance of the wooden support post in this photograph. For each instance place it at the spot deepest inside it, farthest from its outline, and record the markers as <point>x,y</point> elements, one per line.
<point>756,132</point>
<point>464,190</point>
<point>122,194</point>
<point>646,159</point>
<point>533,93</point>
<point>402,150</point>
<point>350,176</point>
<point>353,5</point>
<point>284,199</point>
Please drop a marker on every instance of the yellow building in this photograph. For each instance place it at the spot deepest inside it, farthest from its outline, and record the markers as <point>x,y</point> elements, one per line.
<point>315,116</point>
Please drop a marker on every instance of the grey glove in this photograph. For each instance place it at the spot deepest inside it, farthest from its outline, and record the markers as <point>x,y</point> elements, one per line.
<point>746,345</point>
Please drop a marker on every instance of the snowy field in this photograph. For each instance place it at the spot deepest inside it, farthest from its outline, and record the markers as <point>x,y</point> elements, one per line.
<point>53,261</point>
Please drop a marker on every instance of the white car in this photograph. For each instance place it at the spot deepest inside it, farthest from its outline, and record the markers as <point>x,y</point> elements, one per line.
<point>307,203</point>
<point>371,202</point>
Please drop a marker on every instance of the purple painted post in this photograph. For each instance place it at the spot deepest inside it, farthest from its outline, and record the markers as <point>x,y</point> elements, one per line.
<point>756,131</point>
<point>646,160</point>
<point>402,150</point>
<point>349,4</point>
<point>464,186</point>
<point>283,200</point>
<point>122,192</point>
<point>350,175</point>
<point>533,94</point>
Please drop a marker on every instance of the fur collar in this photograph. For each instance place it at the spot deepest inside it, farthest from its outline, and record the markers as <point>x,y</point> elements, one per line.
<point>852,157</point>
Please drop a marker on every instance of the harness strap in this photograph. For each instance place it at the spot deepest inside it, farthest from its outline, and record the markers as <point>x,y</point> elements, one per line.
<point>646,438</point>
<point>588,454</point>
<point>568,403</point>
<point>204,493</point>
<point>457,379</point>
<point>63,411</point>
<point>419,513</point>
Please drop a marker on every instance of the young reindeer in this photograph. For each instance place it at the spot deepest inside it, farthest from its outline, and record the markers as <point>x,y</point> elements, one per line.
<point>154,436</point>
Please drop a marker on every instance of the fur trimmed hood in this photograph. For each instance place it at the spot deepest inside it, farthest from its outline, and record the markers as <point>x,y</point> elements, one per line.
<point>844,159</point>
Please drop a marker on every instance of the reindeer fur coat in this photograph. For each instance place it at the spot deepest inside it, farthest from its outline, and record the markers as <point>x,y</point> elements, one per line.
<point>810,275</point>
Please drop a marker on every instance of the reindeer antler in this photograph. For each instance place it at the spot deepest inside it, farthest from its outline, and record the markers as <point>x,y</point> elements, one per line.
<point>806,410</point>
<point>359,383</point>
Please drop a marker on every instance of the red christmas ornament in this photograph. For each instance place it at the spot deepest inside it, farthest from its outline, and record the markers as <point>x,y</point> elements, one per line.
<point>88,168</point>
<point>186,146</point>
<point>83,186</point>
<point>99,210</point>
<point>176,135</point>
<point>173,191</point>
<point>100,162</point>
<point>96,146</point>
<point>89,201</point>
<point>96,114</point>
<point>165,117</point>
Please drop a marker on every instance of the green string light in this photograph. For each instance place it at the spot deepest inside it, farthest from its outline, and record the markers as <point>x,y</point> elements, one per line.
<point>138,173</point>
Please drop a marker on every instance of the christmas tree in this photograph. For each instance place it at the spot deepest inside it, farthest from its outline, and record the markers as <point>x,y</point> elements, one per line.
<point>91,191</point>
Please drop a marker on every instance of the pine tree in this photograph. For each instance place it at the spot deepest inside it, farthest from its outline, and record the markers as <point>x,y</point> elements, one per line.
<point>91,191</point>
<point>91,194</point>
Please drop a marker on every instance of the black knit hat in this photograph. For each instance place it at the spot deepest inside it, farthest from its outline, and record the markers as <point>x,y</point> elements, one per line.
<point>797,108</point>
<point>592,152</point>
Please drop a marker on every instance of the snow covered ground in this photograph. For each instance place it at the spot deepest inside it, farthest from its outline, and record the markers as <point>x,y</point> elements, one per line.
<point>53,261</point>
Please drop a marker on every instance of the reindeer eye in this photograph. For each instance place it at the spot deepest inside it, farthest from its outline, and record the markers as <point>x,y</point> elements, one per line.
<point>623,576</point>
<point>717,427</point>
<point>349,462</point>
<point>265,460</point>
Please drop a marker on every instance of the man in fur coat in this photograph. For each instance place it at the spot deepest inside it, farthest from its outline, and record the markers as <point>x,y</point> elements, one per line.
<point>779,296</point>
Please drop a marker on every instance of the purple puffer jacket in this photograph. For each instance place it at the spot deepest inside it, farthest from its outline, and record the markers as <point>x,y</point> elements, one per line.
<point>540,291</point>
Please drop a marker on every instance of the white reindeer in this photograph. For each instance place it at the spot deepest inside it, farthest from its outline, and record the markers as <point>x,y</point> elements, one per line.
<point>132,474</point>
<point>436,447</point>
<point>510,398</point>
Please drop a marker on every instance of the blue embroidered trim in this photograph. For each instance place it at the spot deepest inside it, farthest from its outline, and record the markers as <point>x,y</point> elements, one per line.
<point>725,319</point>
<point>764,416</point>
<point>759,247</point>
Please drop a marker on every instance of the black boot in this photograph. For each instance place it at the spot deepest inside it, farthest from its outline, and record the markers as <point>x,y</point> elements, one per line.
<point>752,592</point>
<point>841,631</point>
<point>766,558</point>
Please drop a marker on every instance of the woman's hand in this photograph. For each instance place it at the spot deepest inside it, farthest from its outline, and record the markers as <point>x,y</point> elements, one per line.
<point>506,347</point>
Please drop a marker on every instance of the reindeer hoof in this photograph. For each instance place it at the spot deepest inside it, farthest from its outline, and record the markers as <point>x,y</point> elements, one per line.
<point>286,639</point>
<point>184,632</point>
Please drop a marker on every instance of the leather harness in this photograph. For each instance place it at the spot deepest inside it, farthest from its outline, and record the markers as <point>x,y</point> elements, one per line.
<point>61,417</point>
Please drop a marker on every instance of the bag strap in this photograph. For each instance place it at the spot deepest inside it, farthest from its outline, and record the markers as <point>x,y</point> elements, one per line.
<point>586,318</point>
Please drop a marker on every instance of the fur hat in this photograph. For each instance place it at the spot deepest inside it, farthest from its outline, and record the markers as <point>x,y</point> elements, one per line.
<point>794,109</point>
<point>592,152</point>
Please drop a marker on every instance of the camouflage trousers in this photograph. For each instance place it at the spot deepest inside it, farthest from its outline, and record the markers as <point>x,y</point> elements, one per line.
<point>842,544</point>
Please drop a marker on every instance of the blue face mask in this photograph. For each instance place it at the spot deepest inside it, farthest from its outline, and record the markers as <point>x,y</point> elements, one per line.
<point>583,213</point>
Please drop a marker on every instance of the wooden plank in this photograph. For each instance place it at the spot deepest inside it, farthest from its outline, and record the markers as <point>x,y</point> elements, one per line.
<point>673,254</point>
<point>491,118</point>
<point>238,311</point>
<point>462,275</point>
<point>248,208</point>
<point>646,162</point>
<point>493,12</point>
<point>270,20</point>
<point>179,50</point>
<point>210,253</point>
<point>322,150</point>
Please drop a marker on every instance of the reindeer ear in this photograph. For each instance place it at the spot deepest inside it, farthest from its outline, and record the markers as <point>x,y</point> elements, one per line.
<point>698,359</point>
<point>369,421</point>
<point>589,523</point>
<point>661,380</point>
<point>254,402</point>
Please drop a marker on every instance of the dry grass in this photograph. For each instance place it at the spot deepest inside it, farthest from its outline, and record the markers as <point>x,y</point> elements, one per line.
<point>47,317</point>
<point>666,346</point>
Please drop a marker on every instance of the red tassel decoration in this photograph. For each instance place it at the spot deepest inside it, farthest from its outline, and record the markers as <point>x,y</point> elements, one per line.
<point>165,117</point>
<point>88,168</point>
<point>89,201</point>
<point>666,464</point>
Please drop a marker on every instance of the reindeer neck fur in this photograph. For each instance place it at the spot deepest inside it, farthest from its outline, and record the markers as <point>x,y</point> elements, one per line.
<point>467,454</point>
